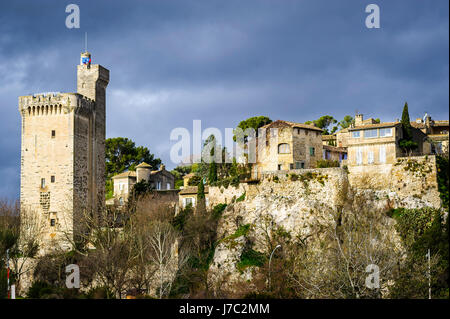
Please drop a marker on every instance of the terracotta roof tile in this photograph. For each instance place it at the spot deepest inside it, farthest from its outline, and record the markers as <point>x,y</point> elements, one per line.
<point>192,190</point>
<point>281,123</point>
<point>144,164</point>
<point>378,125</point>
<point>125,174</point>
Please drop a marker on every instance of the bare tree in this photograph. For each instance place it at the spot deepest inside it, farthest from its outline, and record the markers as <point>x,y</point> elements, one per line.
<point>21,231</point>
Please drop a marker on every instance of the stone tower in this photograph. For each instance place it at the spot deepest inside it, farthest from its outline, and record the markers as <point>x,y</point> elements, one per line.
<point>63,156</point>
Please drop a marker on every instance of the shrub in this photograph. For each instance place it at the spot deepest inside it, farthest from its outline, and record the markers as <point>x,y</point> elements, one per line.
<point>240,198</point>
<point>241,231</point>
<point>218,210</point>
<point>249,258</point>
<point>324,163</point>
<point>40,289</point>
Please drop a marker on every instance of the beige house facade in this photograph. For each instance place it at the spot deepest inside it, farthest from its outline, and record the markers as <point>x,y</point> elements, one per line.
<point>286,146</point>
<point>374,144</point>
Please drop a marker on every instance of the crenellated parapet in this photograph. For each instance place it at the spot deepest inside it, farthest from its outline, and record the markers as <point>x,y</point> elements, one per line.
<point>48,104</point>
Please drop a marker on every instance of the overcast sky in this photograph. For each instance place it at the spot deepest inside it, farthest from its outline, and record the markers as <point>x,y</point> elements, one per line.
<point>222,61</point>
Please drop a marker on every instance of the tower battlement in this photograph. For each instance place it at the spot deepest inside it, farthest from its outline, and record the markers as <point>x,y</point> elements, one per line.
<point>54,103</point>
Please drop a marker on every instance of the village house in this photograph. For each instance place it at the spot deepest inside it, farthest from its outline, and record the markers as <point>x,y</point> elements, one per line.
<point>286,146</point>
<point>369,142</point>
<point>188,194</point>
<point>437,133</point>
<point>158,179</point>
<point>334,153</point>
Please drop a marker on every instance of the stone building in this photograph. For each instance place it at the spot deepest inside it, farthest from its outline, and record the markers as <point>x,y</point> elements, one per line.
<point>369,142</point>
<point>334,153</point>
<point>160,179</point>
<point>374,143</point>
<point>436,132</point>
<point>188,194</point>
<point>286,146</point>
<point>63,154</point>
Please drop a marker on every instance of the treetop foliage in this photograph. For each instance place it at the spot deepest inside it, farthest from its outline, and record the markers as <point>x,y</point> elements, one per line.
<point>122,154</point>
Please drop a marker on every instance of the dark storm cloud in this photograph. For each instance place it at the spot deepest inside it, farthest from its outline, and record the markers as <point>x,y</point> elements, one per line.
<point>222,61</point>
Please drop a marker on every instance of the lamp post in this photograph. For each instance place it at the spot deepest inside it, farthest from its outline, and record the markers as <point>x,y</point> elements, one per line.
<point>270,260</point>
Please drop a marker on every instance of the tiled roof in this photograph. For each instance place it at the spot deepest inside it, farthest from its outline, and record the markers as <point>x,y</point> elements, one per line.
<point>433,124</point>
<point>378,125</point>
<point>125,174</point>
<point>192,190</point>
<point>335,148</point>
<point>417,125</point>
<point>281,123</point>
<point>144,165</point>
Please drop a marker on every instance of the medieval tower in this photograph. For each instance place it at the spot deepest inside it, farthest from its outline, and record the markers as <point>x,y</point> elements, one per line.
<point>63,156</point>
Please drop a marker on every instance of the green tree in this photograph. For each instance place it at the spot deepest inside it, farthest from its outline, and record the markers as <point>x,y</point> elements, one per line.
<point>407,143</point>
<point>406,124</point>
<point>179,172</point>
<point>324,122</point>
<point>212,172</point>
<point>122,154</point>
<point>253,122</point>
<point>346,122</point>
<point>201,191</point>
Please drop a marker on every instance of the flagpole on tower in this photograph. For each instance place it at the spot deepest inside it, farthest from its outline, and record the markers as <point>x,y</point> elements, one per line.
<point>85,42</point>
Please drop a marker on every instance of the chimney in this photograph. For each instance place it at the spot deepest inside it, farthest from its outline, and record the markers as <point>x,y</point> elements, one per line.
<point>359,119</point>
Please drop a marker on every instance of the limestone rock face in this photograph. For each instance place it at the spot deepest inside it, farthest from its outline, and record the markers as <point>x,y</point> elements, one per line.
<point>303,201</point>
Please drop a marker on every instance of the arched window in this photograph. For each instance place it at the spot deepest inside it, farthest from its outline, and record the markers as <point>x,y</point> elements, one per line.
<point>120,201</point>
<point>283,148</point>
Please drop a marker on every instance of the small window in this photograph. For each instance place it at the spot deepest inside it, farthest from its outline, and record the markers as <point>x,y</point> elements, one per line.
<point>279,167</point>
<point>52,222</point>
<point>42,182</point>
<point>291,166</point>
<point>299,165</point>
<point>384,132</point>
<point>52,179</point>
<point>53,133</point>
<point>312,151</point>
<point>370,133</point>
<point>121,201</point>
<point>158,185</point>
<point>168,186</point>
<point>370,157</point>
<point>359,156</point>
<point>283,148</point>
<point>382,154</point>
<point>356,134</point>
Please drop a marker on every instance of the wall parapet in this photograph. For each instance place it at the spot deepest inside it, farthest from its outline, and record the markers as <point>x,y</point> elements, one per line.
<point>54,103</point>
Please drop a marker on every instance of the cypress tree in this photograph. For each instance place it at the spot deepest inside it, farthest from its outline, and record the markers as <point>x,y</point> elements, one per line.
<point>406,124</point>
<point>201,191</point>
<point>212,172</point>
